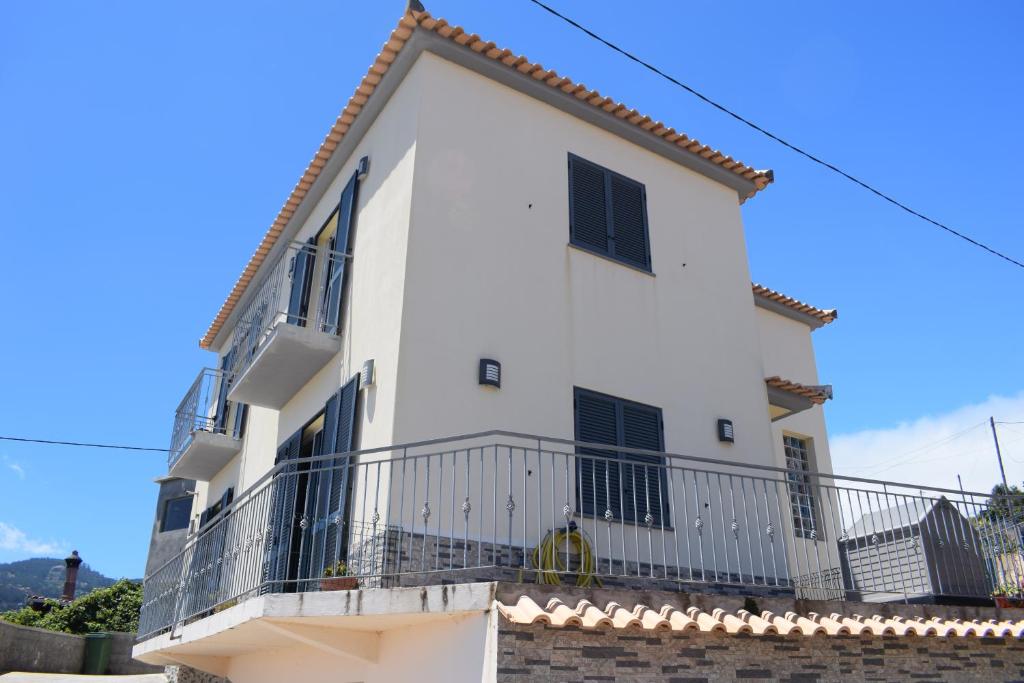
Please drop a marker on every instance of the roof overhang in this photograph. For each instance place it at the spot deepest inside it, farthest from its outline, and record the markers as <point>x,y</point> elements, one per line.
<point>418,32</point>
<point>797,310</point>
<point>787,398</point>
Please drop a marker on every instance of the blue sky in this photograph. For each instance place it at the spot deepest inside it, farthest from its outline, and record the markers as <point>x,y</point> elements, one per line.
<point>145,148</point>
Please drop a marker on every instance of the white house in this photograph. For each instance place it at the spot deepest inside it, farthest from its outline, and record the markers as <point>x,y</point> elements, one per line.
<point>502,329</point>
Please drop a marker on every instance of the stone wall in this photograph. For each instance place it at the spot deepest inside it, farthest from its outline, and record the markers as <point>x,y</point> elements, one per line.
<point>23,648</point>
<point>36,650</point>
<point>546,655</point>
<point>184,674</point>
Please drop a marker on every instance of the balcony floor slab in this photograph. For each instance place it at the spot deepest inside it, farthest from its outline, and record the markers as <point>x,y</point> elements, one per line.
<point>286,360</point>
<point>206,454</point>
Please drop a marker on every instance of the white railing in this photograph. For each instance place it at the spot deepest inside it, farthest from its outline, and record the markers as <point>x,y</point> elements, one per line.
<point>302,288</point>
<point>517,507</point>
<point>204,408</point>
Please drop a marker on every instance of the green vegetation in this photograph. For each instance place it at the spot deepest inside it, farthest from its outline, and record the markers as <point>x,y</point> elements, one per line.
<point>42,576</point>
<point>115,608</point>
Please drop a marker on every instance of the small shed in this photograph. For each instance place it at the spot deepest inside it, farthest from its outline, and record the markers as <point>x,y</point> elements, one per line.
<point>922,551</point>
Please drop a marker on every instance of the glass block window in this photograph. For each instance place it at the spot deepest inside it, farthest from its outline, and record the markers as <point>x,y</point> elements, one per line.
<point>801,493</point>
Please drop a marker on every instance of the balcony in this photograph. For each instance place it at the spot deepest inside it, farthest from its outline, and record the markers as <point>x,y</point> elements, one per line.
<point>289,330</point>
<point>207,429</point>
<point>510,507</point>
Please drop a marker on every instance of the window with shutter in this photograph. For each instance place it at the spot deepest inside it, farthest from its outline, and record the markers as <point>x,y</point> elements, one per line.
<point>628,485</point>
<point>338,267</point>
<point>302,282</point>
<point>608,213</point>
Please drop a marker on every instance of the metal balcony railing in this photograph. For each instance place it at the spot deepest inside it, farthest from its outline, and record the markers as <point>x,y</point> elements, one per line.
<point>505,506</point>
<point>204,408</point>
<point>303,288</point>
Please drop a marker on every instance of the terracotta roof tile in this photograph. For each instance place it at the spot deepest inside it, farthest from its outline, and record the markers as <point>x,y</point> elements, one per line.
<point>589,616</point>
<point>817,395</point>
<point>399,37</point>
<point>824,315</point>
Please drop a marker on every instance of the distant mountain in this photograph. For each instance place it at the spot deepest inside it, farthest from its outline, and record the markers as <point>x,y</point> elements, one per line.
<point>42,576</point>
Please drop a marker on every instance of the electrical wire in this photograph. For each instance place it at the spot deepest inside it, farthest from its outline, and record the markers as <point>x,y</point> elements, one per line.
<point>776,138</point>
<point>927,447</point>
<point>87,445</point>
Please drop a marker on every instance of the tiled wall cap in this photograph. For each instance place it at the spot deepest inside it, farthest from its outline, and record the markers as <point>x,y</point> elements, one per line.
<point>760,626</point>
<point>591,616</point>
<point>732,623</point>
<point>621,617</point>
<point>678,620</point>
<point>806,626</point>
<point>706,622</point>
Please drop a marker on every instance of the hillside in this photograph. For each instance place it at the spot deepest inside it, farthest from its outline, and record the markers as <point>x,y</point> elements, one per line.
<point>42,576</point>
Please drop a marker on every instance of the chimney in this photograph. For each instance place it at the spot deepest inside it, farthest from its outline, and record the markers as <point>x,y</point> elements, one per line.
<point>71,575</point>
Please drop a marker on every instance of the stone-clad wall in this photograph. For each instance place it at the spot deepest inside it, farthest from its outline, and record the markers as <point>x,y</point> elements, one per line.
<point>548,655</point>
<point>184,674</point>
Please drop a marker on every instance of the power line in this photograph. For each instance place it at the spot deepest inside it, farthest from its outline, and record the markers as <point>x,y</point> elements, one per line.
<point>88,445</point>
<point>776,138</point>
<point>927,447</point>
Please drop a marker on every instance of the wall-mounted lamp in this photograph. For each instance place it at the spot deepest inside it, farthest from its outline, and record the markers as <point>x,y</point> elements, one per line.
<point>366,375</point>
<point>490,372</point>
<point>725,431</point>
<point>363,168</point>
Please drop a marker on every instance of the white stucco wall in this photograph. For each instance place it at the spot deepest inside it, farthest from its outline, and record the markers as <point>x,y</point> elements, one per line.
<point>461,251</point>
<point>455,650</point>
<point>490,274</point>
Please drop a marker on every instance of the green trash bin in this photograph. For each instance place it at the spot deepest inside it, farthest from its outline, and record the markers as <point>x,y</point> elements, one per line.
<point>97,653</point>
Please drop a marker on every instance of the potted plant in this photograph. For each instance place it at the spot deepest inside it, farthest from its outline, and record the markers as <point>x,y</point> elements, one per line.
<point>336,578</point>
<point>1008,595</point>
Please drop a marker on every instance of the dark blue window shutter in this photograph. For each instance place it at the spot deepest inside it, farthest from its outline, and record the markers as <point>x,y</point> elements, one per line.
<point>221,410</point>
<point>588,205</point>
<point>302,282</point>
<point>282,507</point>
<point>629,485</point>
<point>341,411</point>
<point>608,213</point>
<point>642,484</point>
<point>629,221</point>
<point>338,266</point>
<point>598,487</point>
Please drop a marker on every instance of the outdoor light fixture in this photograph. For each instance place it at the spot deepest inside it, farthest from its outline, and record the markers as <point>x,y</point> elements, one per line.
<point>366,375</point>
<point>363,168</point>
<point>725,431</point>
<point>490,372</point>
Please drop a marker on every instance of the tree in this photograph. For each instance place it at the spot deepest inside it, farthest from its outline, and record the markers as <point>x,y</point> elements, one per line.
<point>106,609</point>
<point>1006,504</point>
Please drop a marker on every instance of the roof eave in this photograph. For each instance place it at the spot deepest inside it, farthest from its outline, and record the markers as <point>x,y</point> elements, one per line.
<point>418,31</point>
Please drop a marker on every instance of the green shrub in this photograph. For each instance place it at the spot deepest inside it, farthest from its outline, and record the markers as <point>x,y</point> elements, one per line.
<point>105,609</point>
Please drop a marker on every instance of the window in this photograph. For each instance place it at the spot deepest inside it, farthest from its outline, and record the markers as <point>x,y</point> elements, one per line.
<point>801,492</point>
<point>176,514</point>
<point>629,486</point>
<point>608,213</point>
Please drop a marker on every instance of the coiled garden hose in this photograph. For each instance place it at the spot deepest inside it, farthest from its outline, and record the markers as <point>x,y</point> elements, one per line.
<point>549,557</point>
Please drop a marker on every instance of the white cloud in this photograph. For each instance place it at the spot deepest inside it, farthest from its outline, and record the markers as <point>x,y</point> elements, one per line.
<point>932,450</point>
<point>15,540</point>
<point>14,467</point>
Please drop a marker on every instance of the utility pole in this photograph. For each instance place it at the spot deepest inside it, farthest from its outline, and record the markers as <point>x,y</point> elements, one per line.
<point>999,455</point>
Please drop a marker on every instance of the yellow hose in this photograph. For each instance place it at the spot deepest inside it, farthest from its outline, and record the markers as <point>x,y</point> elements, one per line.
<point>546,557</point>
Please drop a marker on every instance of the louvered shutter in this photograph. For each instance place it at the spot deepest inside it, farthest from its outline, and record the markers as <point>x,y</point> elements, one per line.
<point>598,487</point>
<point>282,509</point>
<point>588,205</point>
<point>302,280</point>
<point>345,425</point>
<point>338,266</point>
<point>608,213</point>
<point>641,484</point>
<point>222,407</point>
<point>629,221</point>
